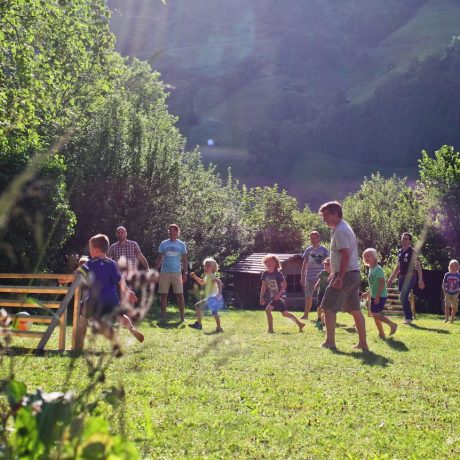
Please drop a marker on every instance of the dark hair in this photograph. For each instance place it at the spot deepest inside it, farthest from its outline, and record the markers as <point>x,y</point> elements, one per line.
<point>408,234</point>
<point>333,207</point>
<point>100,241</point>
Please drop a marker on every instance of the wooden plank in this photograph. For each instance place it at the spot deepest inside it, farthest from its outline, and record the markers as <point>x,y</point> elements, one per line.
<point>13,303</point>
<point>18,333</point>
<point>34,289</point>
<point>59,312</point>
<point>62,330</point>
<point>38,276</point>
<point>76,316</point>
<point>33,318</point>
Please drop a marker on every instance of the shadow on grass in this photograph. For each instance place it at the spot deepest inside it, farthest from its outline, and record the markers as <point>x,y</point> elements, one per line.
<point>430,329</point>
<point>167,325</point>
<point>19,351</point>
<point>369,358</point>
<point>396,344</point>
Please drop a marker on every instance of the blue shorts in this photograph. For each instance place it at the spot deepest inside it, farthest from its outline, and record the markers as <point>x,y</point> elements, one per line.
<point>211,303</point>
<point>378,307</point>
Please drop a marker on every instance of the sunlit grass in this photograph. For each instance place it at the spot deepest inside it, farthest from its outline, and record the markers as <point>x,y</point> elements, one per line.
<point>247,394</point>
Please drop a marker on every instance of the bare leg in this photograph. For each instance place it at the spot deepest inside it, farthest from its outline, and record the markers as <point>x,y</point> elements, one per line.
<point>126,322</point>
<point>163,303</point>
<point>308,303</point>
<point>218,326</point>
<point>381,317</point>
<point>446,314</point>
<point>199,314</point>
<point>379,325</point>
<point>181,302</point>
<point>268,312</point>
<point>360,323</point>
<point>453,313</point>
<point>320,313</point>
<point>330,319</point>
<point>286,314</point>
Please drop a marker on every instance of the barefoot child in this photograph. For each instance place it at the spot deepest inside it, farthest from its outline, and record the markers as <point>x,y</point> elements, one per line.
<point>320,286</point>
<point>272,291</point>
<point>103,279</point>
<point>377,292</point>
<point>212,292</point>
<point>451,288</point>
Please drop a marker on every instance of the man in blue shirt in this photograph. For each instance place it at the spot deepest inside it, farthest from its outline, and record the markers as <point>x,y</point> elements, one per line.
<point>172,259</point>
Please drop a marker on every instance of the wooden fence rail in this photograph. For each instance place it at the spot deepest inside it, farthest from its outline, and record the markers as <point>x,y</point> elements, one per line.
<point>57,308</point>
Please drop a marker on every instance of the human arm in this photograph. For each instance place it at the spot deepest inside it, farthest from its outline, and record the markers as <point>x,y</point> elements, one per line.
<point>303,271</point>
<point>219,286</point>
<point>199,280</point>
<point>141,258</point>
<point>418,269</point>
<point>184,261</point>
<point>159,261</point>
<point>345,257</point>
<point>126,292</point>
<point>380,288</point>
<point>263,290</point>
<point>393,275</point>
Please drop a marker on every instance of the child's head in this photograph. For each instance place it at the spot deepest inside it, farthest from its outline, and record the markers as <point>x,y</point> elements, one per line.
<point>98,245</point>
<point>453,266</point>
<point>210,265</point>
<point>271,262</point>
<point>370,257</point>
<point>327,264</point>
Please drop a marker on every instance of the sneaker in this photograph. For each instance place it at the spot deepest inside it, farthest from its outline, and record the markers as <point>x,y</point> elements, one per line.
<point>218,330</point>
<point>407,321</point>
<point>196,325</point>
<point>446,320</point>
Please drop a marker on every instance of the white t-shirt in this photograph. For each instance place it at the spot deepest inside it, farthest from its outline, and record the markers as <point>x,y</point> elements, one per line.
<point>343,237</point>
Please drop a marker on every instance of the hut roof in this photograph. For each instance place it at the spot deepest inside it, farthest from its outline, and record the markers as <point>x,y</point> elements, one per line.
<point>253,263</point>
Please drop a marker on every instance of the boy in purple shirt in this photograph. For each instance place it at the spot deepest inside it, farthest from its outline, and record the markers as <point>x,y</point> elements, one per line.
<point>103,279</point>
<point>451,288</point>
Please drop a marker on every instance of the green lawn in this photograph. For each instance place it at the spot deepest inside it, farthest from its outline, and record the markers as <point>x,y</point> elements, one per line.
<point>247,394</point>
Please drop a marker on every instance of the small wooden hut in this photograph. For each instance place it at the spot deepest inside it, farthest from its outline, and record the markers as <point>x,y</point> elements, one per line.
<point>246,274</point>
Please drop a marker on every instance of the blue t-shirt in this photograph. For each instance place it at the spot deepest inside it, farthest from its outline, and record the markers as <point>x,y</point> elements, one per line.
<point>102,276</point>
<point>315,258</point>
<point>451,283</point>
<point>172,252</point>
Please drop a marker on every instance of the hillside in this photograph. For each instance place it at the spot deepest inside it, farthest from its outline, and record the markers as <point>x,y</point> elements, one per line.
<point>270,83</point>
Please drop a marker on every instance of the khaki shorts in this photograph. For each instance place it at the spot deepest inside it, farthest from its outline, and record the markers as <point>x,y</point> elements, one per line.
<point>170,279</point>
<point>309,286</point>
<point>451,301</point>
<point>346,298</point>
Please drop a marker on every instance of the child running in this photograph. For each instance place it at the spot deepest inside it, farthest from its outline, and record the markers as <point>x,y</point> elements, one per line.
<point>212,292</point>
<point>377,292</point>
<point>451,288</point>
<point>103,279</point>
<point>272,291</point>
<point>320,286</point>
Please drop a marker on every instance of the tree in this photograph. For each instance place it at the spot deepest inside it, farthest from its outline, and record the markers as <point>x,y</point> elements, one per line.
<point>381,210</point>
<point>440,184</point>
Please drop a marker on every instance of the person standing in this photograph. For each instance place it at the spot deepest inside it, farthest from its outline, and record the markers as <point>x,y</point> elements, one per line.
<point>343,289</point>
<point>172,259</point>
<point>312,266</point>
<point>451,289</point>
<point>406,270</point>
<point>127,249</point>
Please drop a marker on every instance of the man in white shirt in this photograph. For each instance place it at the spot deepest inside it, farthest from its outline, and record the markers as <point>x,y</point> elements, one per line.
<point>343,291</point>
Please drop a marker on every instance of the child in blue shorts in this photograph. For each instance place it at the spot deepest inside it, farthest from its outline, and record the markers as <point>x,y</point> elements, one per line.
<point>377,292</point>
<point>212,294</point>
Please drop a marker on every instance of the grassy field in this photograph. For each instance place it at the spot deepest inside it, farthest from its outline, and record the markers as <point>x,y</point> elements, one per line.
<point>247,394</point>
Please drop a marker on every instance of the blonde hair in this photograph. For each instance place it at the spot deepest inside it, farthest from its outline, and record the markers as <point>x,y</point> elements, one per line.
<point>373,252</point>
<point>327,259</point>
<point>271,257</point>
<point>212,262</point>
<point>453,262</point>
<point>100,242</point>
